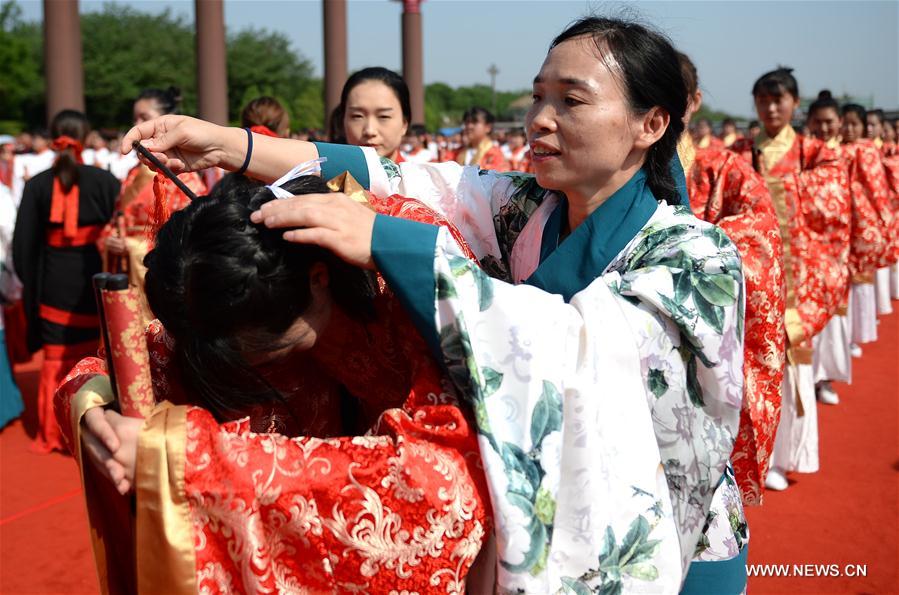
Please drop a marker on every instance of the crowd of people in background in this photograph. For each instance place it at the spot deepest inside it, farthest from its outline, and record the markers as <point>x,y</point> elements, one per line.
<point>28,153</point>
<point>71,205</point>
<point>374,111</point>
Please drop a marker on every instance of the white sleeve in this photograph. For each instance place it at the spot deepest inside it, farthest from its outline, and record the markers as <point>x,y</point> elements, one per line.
<point>468,197</point>
<point>565,430</point>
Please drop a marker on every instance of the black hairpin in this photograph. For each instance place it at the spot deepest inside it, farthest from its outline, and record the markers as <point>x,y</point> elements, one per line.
<point>165,170</point>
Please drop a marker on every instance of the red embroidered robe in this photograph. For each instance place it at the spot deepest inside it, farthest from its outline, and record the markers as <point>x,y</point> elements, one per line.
<point>228,510</point>
<point>487,156</point>
<point>724,190</point>
<point>872,218</point>
<point>891,169</point>
<point>809,190</point>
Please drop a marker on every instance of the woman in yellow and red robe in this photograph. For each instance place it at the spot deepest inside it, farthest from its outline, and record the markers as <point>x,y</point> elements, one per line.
<point>871,221</point>
<point>872,213</point>
<point>127,236</point>
<point>125,240</point>
<point>726,191</point>
<point>60,217</point>
<point>321,505</point>
<point>891,167</point>
<point>886,279</point>
<point>477,124</point>
<point>809,190</point>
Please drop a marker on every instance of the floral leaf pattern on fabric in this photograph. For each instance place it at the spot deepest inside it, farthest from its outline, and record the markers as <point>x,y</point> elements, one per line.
<point>687,275</point>
<point>679,286</point>
<point>632,556</point>
<point>694,417</point>
<point>390,168</point>
<point>726,532</point>
<point>509,221</point>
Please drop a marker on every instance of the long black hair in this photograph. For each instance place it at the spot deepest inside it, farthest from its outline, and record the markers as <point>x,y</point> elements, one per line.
<point>651,74</point>
<point>74,124</point>
<point>224,287</point>
<point>372,73</point>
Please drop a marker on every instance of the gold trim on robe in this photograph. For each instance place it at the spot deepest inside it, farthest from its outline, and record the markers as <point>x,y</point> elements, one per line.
<point>108,512</point>
<point>686,152</point>
<point>866,278</point>
<point>772,150</point>
<point>484,146</point>
<point>166,560</point>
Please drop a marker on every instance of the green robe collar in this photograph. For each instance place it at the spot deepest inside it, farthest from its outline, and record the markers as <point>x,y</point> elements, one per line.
<point>568,267</point>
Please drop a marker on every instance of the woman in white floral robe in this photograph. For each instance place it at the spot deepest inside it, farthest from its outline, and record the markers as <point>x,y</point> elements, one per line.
<point>600,340</point>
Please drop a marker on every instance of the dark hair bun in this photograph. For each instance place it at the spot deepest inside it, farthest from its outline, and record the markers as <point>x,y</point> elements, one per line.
<point>167,100</point>
<point>825,94</point>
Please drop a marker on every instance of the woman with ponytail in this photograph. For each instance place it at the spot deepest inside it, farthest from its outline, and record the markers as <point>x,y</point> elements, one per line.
<point>126,238</point>
<point>597,337</point>
<point>811,198</point>
<point>62,213</point>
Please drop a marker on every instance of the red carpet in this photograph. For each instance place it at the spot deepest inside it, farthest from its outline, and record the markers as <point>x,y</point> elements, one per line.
<point>848,514</point>
<point>44,541</point>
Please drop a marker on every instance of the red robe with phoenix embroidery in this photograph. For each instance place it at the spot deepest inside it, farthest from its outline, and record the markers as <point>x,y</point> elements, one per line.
<point>810,193</point>
<point>872,218</point>
<point>402,508</point>
<point>725,190</point>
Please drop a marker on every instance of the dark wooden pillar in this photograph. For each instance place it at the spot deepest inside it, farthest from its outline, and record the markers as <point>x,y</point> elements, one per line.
<point>212,71</point>
<point>334,14</point>
<point>62,56</point>
<point>413,58</point>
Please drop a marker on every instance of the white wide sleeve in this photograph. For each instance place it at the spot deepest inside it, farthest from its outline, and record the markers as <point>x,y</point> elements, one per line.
<point>579,493</point>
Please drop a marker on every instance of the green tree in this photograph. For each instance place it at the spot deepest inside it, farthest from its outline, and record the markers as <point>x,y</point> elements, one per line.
<point>308,108</point>
<point>712,115</point>
<point>261,62</point>
<point>444,105</point>
<point>126,51</point>
<point>21,69</point>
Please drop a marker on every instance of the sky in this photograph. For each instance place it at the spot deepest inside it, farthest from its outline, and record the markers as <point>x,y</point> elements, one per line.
<point>845,46</point>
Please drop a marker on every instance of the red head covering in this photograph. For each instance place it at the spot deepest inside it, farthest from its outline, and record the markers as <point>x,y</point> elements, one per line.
<point>61,143</point>
<point>64,205</point>
<point>263,130</point>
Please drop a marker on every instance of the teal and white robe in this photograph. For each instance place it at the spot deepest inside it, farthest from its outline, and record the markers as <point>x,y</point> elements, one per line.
<point>605,371</point>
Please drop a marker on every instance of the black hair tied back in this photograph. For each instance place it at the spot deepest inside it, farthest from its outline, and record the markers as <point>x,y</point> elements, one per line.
<point>73,124</point>
<point>824,101</point>
<point>168,101</point>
